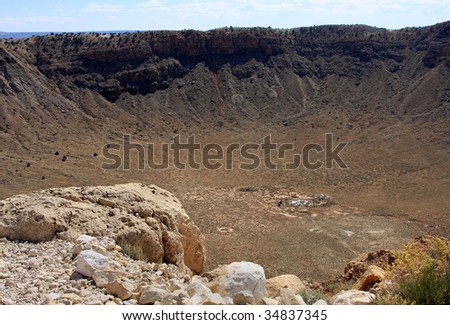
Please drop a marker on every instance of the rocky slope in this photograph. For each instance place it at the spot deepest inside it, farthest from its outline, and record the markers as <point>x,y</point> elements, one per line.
<point>147,218</point>
<point>56,263</point>
<point>379,90</point>
<point>229,77</point>
<point>68,273</point>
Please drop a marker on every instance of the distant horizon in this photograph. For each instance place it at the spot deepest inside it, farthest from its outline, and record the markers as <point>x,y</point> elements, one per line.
<point>46,16</point>
<point>175,30</point>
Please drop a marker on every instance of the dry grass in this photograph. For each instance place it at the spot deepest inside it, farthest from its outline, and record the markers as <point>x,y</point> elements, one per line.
<point>420,274</point>
<point>134,252</point>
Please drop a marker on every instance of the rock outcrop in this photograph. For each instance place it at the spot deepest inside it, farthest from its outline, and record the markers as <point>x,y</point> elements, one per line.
<point>145,217</point>
<point>353,297</point>
<point>355,269</point>
<point>289,281</point>
<point>88,262</point>
<point>50,273</point>
<point>243,282</point>
<point>372,276</point>
<point>288,297</point>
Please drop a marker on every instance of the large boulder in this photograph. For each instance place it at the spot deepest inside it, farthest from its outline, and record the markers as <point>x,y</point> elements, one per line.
<point>372,276</point>
<point>243,282</point>
<point>121,288</point>
<point>142,216</point>
<point>290,281</point>
<point>88,262</point>
<point>104,277</point>
<point>151,295</point>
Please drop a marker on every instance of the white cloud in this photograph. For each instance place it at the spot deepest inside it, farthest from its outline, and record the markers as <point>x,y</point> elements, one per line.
<point>204,14</point>
<point>95,7</point>
<point>253,7</point>
<point>51,20</point>
<point>152,4</point>
<point>207,14</point>
<point>367,6</point>
<point>206,9</point>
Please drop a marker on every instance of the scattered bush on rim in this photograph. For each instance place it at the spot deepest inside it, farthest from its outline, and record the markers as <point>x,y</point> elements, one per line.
<point>419,275</point>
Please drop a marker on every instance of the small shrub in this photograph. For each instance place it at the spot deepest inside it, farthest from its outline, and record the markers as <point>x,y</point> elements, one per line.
<point>134,252</point>
<point>248,189</point>
<point>310,296</point>
<point>334,287</point>
<point>429,287</point>
<point>419,255</point>
<point>419,275</point>
<point>390,298</point>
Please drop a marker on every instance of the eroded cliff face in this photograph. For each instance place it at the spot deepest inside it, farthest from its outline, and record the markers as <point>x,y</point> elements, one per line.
<point>364,84</point>
<point>236,68</point>
<point>146,62</point>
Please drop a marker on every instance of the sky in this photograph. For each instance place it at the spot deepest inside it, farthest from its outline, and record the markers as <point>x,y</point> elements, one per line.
<point>109,15</point>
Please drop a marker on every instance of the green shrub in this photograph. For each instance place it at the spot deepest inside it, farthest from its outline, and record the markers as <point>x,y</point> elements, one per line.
<point>429,287</point>
<point>334,287</point>
<point>390,298</point>
<point>419,275</point>
<point>420,254</point>
<point>310,296</point>
<point>134,252</point>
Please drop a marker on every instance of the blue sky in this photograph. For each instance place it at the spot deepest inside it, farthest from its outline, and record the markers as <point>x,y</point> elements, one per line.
<point>80,15</point>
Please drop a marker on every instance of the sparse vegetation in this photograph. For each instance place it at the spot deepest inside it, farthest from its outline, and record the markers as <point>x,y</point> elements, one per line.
<point>310,296</point>
<point>134,252</point>
<point>429,287</point>
<point>420,274</point>
<point>248,189</point>
<point>335,287</point>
